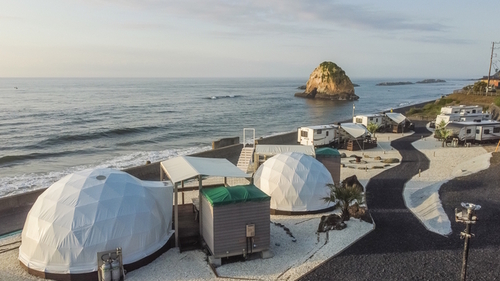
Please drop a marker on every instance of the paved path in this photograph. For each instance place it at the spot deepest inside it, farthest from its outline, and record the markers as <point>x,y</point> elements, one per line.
<point>400,247</point>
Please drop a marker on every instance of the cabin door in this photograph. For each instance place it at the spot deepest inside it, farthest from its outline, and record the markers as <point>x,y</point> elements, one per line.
<point>479,133</point>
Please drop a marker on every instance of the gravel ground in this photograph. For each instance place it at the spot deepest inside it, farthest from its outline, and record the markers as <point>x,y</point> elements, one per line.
<point>401,248</point>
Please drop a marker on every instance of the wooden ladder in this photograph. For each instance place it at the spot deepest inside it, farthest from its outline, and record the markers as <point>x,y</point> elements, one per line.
<point>245,158</point>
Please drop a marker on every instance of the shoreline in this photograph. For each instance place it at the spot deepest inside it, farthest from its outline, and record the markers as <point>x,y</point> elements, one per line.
<point>14,208</point>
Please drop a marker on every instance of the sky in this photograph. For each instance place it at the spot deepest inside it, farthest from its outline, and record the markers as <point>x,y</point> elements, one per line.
<point>258,38</point>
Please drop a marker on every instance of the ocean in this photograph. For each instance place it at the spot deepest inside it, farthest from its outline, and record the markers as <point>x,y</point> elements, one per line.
<point>50,127</point>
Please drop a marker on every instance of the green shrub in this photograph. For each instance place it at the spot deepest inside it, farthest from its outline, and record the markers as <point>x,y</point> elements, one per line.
<point>414,110</point>
<point>497,101</point>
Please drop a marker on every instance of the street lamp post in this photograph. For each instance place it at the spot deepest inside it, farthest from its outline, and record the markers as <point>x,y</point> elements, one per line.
<point>353,107</point>
<point>467,216</point>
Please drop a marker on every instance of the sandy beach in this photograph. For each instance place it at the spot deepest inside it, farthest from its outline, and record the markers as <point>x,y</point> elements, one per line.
<point>293,259</point>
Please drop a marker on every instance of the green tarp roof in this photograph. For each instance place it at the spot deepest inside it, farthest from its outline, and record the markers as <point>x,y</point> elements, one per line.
<point>327,151</point>
<point>218,196</point>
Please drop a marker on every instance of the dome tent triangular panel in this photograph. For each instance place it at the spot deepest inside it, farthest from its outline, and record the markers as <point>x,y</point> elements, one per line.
<point>296,182</point>
<point>92,211</point>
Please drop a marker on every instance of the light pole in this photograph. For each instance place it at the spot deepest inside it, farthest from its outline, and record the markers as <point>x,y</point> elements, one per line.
<point>467,216</point>
<point>353,107</point>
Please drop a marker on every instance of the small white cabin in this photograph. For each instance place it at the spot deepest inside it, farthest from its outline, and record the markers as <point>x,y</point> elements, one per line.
<point>320,135</point>
<point>369,118</point>
<point>475,131</point>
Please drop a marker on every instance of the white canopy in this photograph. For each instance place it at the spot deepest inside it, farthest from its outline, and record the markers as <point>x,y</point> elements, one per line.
<point>398,118</point>
<point>188,167</point>
<point>271,149</point>
<point>93,211</point>
<point>354,129</point>
<point>296,182</point>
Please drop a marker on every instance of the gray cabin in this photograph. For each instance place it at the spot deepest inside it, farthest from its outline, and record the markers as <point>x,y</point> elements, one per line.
<point>235,220</point>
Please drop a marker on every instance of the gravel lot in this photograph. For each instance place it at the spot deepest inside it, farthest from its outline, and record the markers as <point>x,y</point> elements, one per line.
<point>401,248</point>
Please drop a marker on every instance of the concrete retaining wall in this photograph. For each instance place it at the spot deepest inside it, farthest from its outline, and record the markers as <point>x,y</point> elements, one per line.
<point>9,203</point>
<point>225,142</point>
<point>286,138</point>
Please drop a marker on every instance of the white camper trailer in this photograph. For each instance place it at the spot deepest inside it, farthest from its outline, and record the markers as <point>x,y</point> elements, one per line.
<point>370,118</point>
<point>475,131</point>
<point>461,109</point>
<point>321,135</point>
<point>462,113</point>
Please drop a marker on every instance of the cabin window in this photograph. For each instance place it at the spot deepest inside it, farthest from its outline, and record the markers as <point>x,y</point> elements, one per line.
<point>376,120</point>
<point>462,119</point>
<point>371,118</point>
<point>477,131</point>
<point>468,131</point>
<point>319,131</point>
<point>359,120</point>
<point>327,133</point>
<point>473,111</point>
<point>486,131</point>
<point>496,130</point>
<point>303,134</point>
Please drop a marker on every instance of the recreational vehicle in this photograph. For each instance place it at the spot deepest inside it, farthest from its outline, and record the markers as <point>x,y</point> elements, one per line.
<point>370,118</point>
<point>321,135</point>
<point>481,131</point>
<point>462,113</point>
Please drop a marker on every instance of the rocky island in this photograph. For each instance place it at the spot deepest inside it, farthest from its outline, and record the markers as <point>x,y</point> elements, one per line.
<point>393,83</point>
<point>329,81</point>
<point>425,81</point>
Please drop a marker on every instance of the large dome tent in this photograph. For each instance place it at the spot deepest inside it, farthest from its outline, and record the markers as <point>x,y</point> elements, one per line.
<point>92,211</point>
<point>296,183</point>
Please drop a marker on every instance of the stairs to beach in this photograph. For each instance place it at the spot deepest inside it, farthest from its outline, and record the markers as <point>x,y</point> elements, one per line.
<point>245,159</point>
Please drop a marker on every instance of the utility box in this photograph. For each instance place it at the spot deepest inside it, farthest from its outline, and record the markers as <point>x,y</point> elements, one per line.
<point>250,230</point>
<point>330,158</point>
<point>235,220</point>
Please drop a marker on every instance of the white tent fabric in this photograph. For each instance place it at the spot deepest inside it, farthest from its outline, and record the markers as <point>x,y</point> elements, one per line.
<point>93,211</point>
<point>296,182</point>
<point>354,129</point>
<point>273,149</point>
<point>398,118</point>
<point>187,167</point>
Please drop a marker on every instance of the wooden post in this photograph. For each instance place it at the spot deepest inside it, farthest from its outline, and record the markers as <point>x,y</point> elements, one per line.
<point>200,185</point>
<point>176,217</point>
<point>182,187</point>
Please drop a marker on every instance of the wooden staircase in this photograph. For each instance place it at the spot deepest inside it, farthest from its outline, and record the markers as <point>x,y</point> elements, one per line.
<point>245,159</point>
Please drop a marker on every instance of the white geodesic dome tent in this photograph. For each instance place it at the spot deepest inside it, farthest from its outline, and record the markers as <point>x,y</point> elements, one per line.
<point>93,211</point>
<point>296,182</point>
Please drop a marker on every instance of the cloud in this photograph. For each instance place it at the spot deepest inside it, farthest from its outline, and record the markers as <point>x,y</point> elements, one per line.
<point>274,16</point>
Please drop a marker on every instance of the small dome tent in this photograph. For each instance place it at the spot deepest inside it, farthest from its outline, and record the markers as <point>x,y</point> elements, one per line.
<point>296,183</point>
<point>93,211</point>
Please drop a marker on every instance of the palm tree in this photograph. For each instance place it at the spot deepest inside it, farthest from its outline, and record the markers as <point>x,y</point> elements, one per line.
<point>445,134</point>
<point>442,133</point>
<point>343,196</point>
<point>372,128</point>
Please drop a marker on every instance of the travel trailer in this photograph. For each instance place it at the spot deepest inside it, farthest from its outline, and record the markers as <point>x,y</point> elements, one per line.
<point>462,113</point>
<point>321,135</point>
<point>387,122</point>
<point>481,131</point>
<point>370,118</point>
